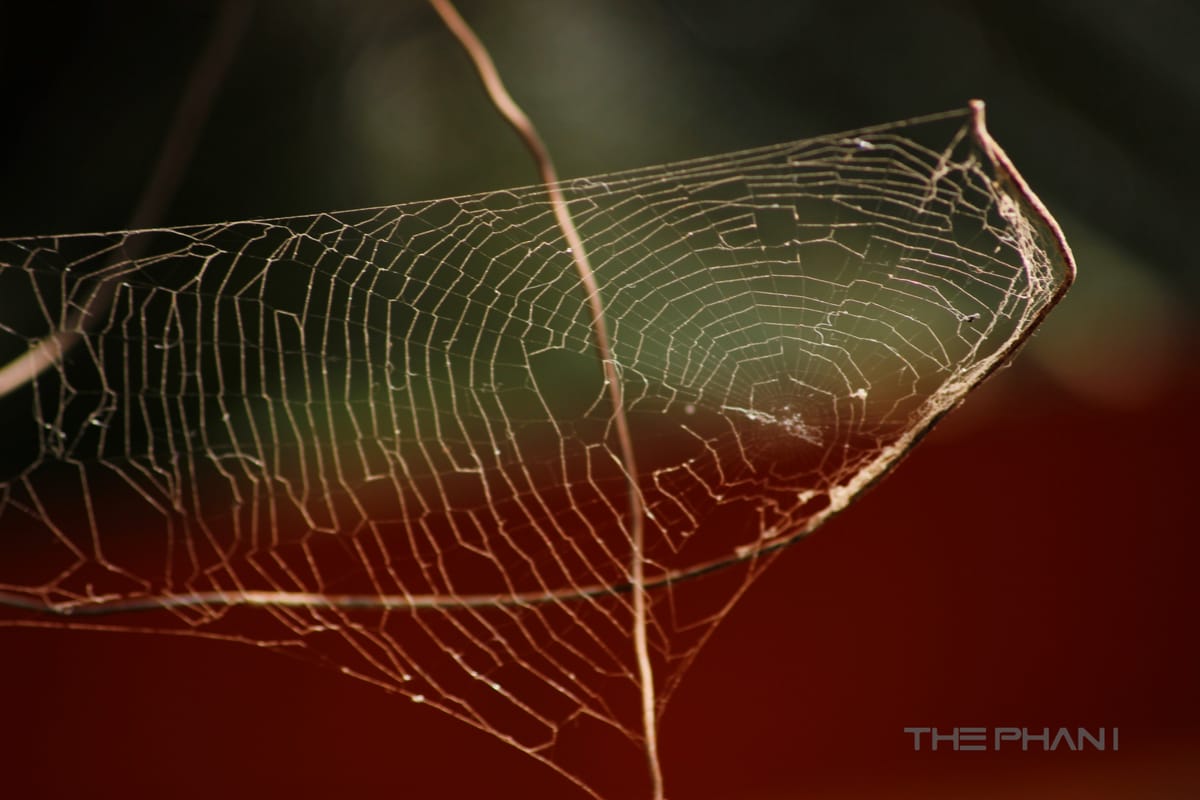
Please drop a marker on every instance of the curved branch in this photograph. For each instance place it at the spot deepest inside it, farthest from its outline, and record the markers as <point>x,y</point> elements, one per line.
<point>517,118</point>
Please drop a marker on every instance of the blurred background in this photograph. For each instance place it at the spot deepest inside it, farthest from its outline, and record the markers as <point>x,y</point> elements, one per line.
<point>1033,563</point>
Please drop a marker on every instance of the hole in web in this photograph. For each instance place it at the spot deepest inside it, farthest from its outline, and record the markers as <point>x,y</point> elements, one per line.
<point>381,435</point>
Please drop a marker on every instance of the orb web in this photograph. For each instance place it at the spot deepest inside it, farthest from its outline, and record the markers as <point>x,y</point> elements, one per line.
<point>382,436</point>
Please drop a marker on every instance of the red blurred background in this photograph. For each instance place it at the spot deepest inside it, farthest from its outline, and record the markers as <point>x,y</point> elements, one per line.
<point>1033,563</point>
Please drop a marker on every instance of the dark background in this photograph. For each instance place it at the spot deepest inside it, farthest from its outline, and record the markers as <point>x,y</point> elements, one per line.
<point>1032,563</point>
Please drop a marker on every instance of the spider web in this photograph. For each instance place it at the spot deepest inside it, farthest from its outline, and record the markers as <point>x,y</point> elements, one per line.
<point>381,437</point>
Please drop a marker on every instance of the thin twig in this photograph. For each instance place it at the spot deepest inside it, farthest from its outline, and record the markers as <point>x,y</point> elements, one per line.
<point>178,147</point>
<point>528,133</point>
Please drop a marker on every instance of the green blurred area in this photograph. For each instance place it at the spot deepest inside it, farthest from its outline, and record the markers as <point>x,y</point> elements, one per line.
<point>333,105</point>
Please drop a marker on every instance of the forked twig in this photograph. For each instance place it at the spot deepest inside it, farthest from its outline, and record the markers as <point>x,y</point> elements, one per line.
<point>521,123</point>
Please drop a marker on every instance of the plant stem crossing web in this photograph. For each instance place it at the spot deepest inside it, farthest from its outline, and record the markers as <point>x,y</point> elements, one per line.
<point>525,128</point>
